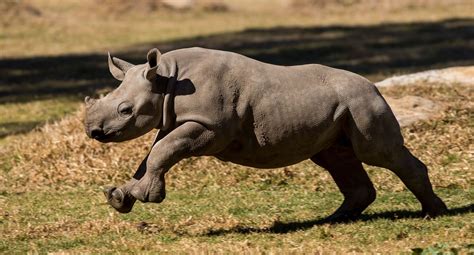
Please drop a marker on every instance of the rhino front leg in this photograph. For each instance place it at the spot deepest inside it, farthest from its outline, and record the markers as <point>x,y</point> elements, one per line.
<point>120,197</point>
<point>189,139</point>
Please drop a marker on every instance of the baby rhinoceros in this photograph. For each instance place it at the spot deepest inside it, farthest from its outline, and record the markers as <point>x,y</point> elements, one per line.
<point>222,104</point>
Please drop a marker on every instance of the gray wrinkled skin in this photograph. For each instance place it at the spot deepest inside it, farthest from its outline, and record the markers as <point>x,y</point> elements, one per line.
<point>222,104</point>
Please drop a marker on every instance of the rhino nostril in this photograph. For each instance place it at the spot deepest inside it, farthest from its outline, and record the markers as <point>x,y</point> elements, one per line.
<point>97,133</point>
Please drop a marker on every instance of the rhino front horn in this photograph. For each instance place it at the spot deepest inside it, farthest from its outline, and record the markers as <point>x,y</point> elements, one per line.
<point>89,101</point>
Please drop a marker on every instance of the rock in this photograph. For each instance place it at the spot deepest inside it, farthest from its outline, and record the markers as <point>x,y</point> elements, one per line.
<point>411,109</point>
<point>447,76</point>
<point>179,4</point>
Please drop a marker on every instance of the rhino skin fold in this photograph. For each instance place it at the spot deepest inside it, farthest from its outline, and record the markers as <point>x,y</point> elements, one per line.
<point>222,104</point>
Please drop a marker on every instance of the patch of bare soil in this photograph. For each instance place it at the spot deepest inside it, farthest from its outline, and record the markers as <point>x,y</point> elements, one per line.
<point>455,75</point>
<point>410,109</point>
<point>147,6</point>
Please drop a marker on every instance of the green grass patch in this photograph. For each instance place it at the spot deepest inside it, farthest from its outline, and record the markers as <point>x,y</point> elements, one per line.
<point>222,219</point>
<point>17,118</point>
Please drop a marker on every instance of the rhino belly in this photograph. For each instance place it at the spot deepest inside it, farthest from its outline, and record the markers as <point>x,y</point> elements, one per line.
<point>278,149</point>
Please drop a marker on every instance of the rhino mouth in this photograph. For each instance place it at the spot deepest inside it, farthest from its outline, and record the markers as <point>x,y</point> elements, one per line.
<point>106,137</point>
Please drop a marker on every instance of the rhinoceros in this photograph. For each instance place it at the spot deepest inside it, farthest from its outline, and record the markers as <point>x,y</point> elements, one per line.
<point>237,109</point>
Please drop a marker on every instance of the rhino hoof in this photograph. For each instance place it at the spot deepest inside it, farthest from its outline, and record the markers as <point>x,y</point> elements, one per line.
<point>343,217</point>
<point>122,202</point>
<point>438,208</point>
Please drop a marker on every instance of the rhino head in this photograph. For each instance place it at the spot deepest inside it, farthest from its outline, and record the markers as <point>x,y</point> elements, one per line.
<point>133,108</point>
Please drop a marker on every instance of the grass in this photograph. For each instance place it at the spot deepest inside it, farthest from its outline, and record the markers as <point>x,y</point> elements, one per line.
<point>75,36</point>
<point>85,26</point>
<point>51,175</point>
<point>227,219</point>
<point>52,201</point>
<point>28,115</point>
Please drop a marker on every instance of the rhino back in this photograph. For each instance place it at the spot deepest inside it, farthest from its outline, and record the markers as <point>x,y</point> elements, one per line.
<point>265,115</point>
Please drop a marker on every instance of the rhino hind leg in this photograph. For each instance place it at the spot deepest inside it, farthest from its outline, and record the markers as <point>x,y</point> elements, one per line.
<point>351,179</point>
<point>414,174</point>
<point>376,139</point>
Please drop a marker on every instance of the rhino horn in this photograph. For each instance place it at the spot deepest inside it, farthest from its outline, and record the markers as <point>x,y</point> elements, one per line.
<point>89,101</point>
<point>118,67</point>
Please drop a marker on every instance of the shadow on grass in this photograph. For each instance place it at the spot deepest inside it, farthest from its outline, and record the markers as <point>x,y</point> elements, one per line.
<point>288,227</point>
<point>374,51</point>
<point>13,128</point>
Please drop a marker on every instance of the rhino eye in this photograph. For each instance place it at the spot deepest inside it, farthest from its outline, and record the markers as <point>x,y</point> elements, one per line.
<point>125,109</point>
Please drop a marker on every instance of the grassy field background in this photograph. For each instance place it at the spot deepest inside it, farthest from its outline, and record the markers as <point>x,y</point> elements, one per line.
<point>54,52</point>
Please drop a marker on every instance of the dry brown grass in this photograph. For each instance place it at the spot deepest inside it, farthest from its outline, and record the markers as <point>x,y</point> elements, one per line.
<point>379,5</point>
<point>85,26</point>
<point>60,156</point>
<point>49,178</point>
<point>17,11</point>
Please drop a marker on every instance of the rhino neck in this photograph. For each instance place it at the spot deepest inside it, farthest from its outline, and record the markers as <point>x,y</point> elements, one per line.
<point>167,67</point>
<point>167,73</point>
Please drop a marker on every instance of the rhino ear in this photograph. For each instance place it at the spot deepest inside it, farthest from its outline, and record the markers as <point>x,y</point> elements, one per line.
<point>153,57</point>
<point>118,67</point>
